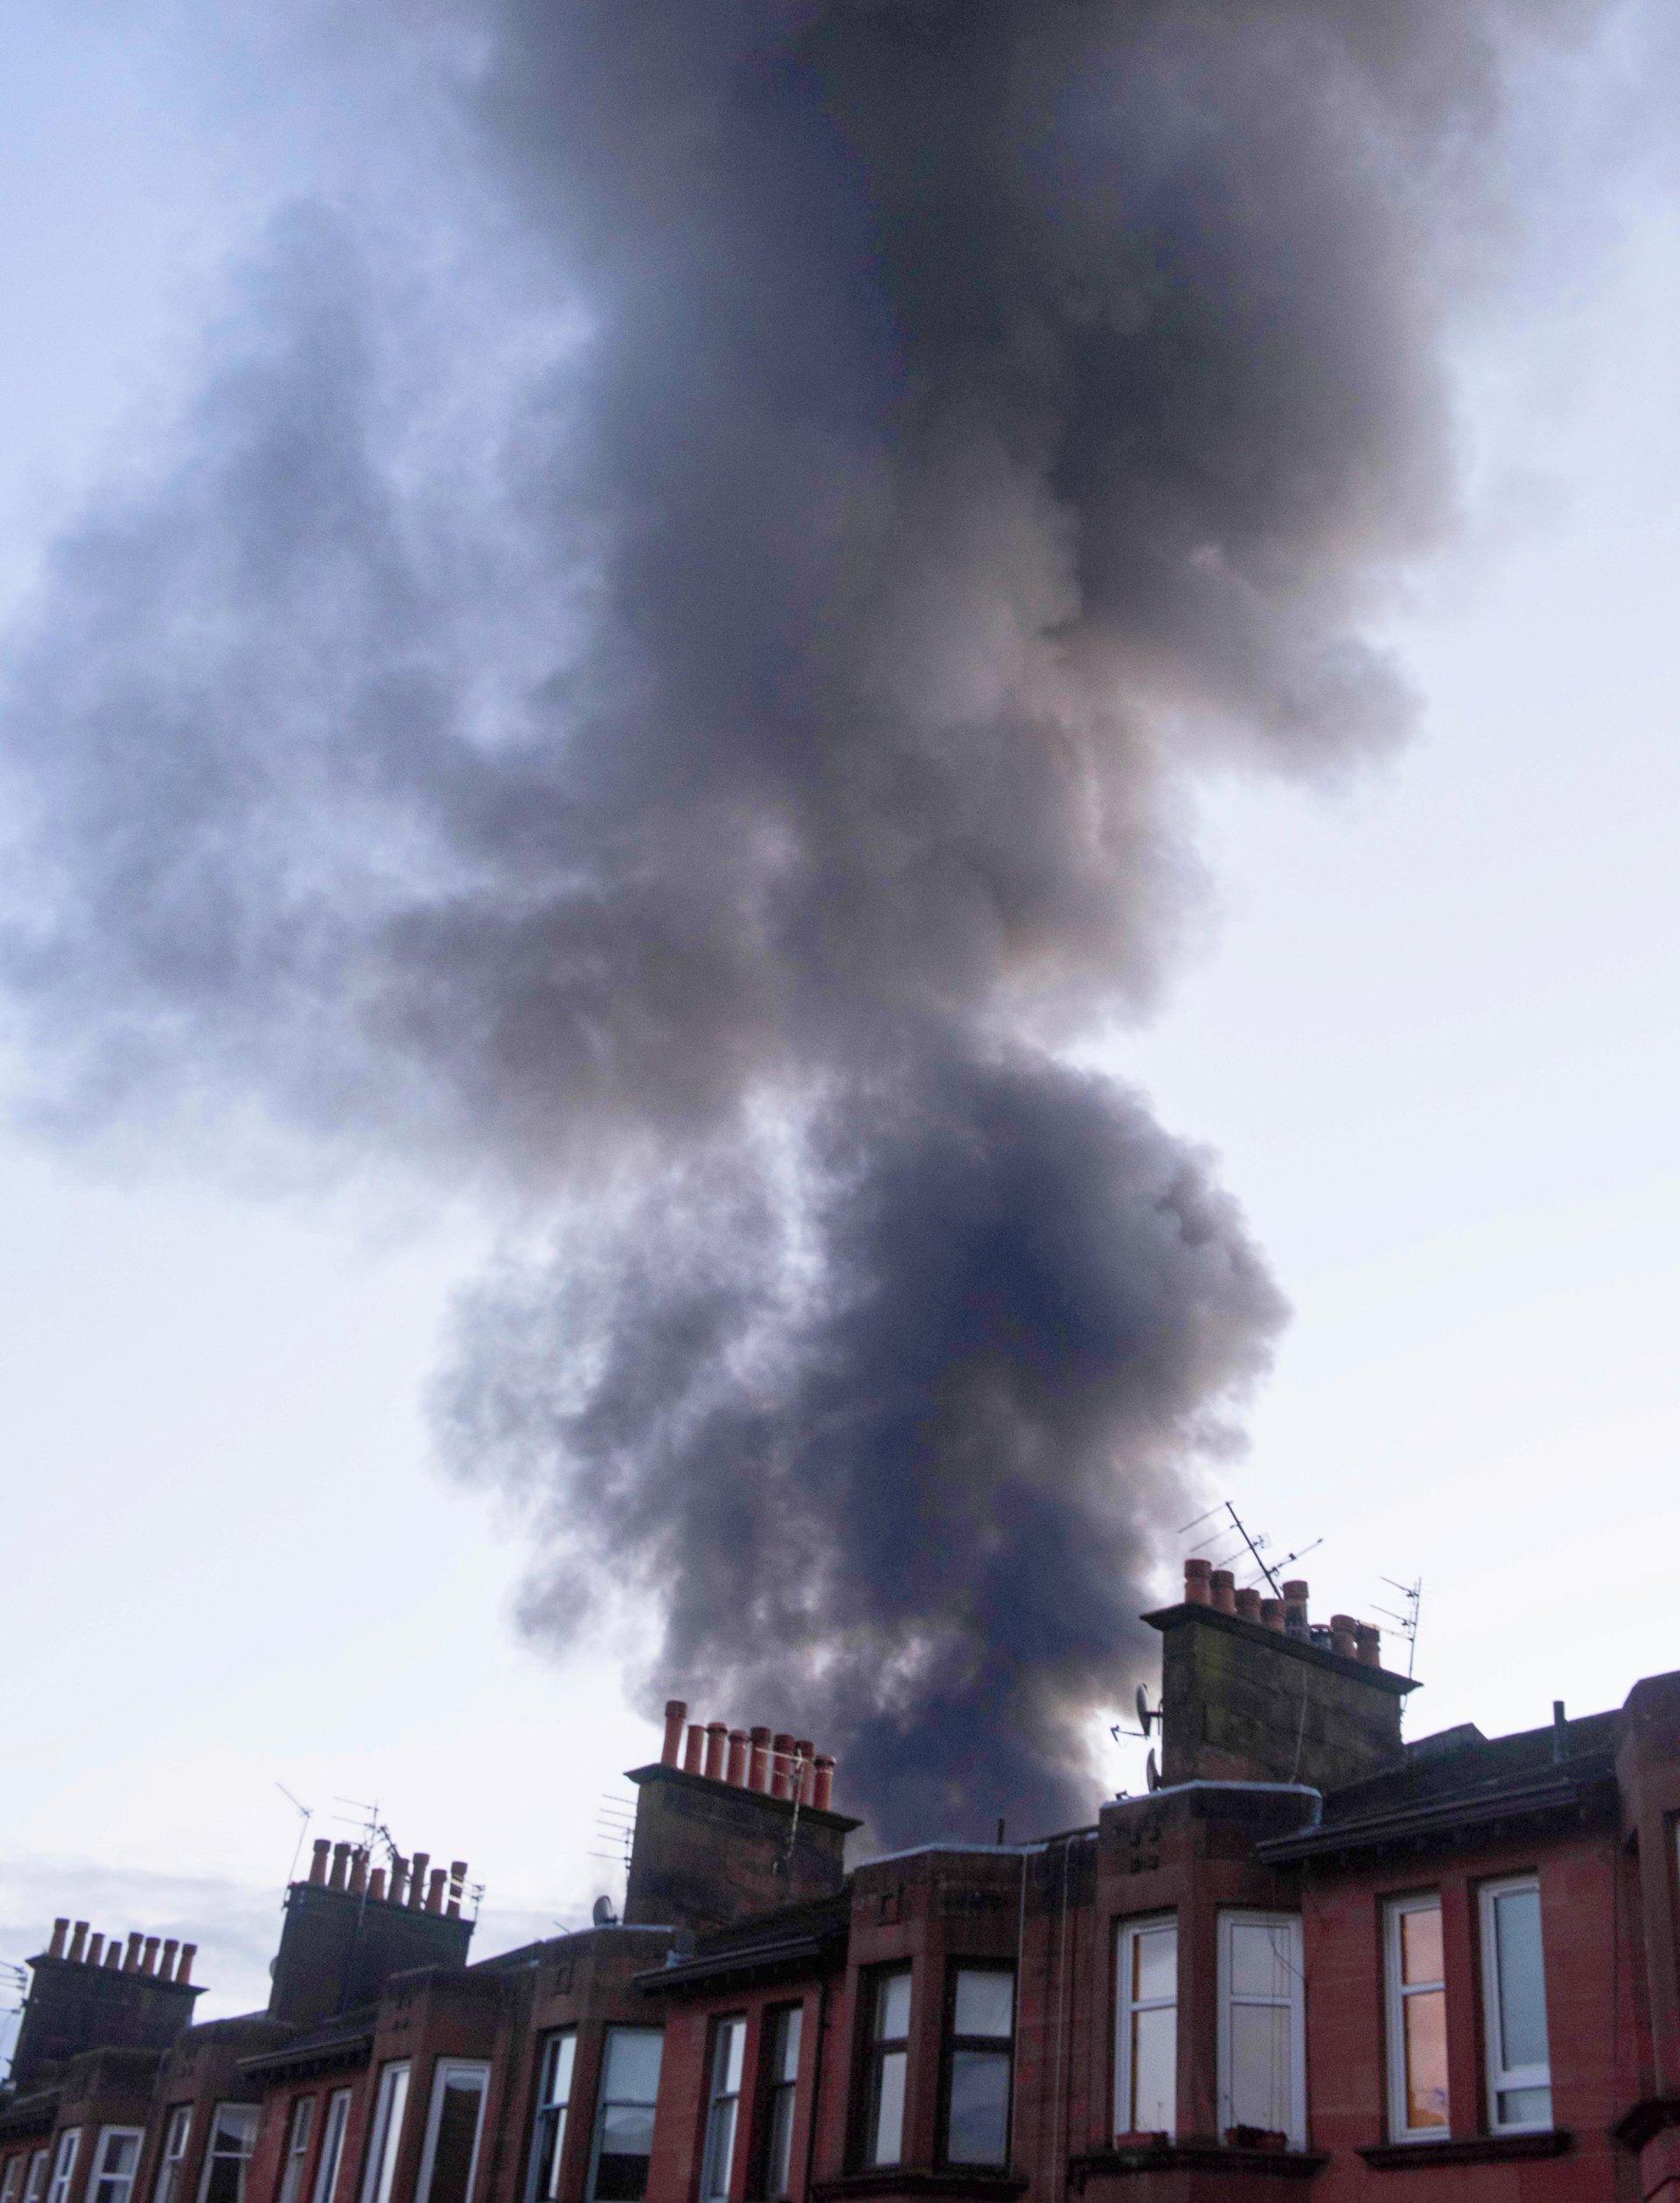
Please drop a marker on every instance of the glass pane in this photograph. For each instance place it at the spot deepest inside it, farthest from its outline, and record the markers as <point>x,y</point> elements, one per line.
<point>789,2029</point>
<point>620,2178</point>
<point>726,2073</point>
<point>1260,1959</point>
<point>556,2085</point>
<point>395,2095</point>
<point>633,2056</point>
<point>1260,2090</point>
<point>979,2121</point>
<point>780,2155</point>
<point>224,2181</point>
<point>545,2157</point>
<point>1425,2020</point>
<point>887,2140</point>
<point>986,2005</point>
<point>1155,2070</point>
<point>457,2137</point>
<point>720,2148</point>
<point>1522,1979</point>
<point>1420,1946</point>
<point>1524,2107</point>
<point>892,2008</point>
<point>627,2142</point>
<point>1154,1963</point>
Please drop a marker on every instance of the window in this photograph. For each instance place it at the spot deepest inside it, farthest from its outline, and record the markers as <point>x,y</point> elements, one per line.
<point>36,2186</point>
<point>64,2165</point>
<point>1261,2064</point>
<point>728,2050</point>
<point>233,2136</point>
<point>380,2169</point>
<point>326,2165</point>
<point>781,2082</point>
<point>553,2102</point>
<point>116,2159</point>
<point>624,2121</point>
<point>889,2059</point>
<point>13,2180</point>
<point>1146,2032</point>
<point>1513,2000</point>
<point>451,2154</point>
<point>1416,2011</point>
<point>169,2165</point>
<point>297,2131</point>
<point>981,2023</point>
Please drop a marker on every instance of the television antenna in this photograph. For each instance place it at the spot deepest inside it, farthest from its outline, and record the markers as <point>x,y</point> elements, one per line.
<point>305,1814</point>
<point>1256,1545</point>
<point>1411,1599</point>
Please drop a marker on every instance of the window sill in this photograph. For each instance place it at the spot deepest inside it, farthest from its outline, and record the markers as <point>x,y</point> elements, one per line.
<point>904,2180</point>
<point>1196,2157</point>
<point>1473,2148</point>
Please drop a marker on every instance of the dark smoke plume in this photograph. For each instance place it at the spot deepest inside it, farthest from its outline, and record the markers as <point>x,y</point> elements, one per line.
<point>666,671</point>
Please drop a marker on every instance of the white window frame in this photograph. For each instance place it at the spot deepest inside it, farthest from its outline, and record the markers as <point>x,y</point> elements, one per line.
<point>781,2091</point>
<point>64,2165</point>
<point>882,2050</point>
<point>1290,1923</point>
<point>549,2103</point>
<point>725,2079</point>
<point>294,2156</point>
<point>244,2123</point>
<point>1131,1933</point>
<point>102,2171</point>
<point>390,2109</point>
<point>14,2176</point>
<point>1500,2078</point>
<point>1397,1993</point>
<point>35,2185</point>
<point>177,2132</point>
<point>330,2160</point>
<point>444,2071</point>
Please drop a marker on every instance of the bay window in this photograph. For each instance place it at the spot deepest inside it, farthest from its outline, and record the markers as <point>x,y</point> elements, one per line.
<point>385,2135</point>
<point>116,2160</point>
<point>1415,1983</point>
<point>979,2061</point>
<point>1146,2029</point>
<point>299,2127</point>
<point>228,2155</point>
<point>169,2165</point>
<point>450,2153</point>
<point>1262,2024</point>
<point>326,2165</point>
<point>64,2165</point>
<point>1514,2008</point>
<point>35,2186</point>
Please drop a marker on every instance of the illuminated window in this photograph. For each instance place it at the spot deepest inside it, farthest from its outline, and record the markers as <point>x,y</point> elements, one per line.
<point>1417,2008</point>
<point>1514,1998</point>
<point>1146,2035</point>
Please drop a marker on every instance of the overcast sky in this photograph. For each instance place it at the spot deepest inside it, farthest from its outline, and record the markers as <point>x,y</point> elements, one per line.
<point>230,1563</point>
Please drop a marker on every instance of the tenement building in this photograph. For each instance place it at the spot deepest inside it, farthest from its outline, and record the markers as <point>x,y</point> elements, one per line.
<point>1444,1970</point>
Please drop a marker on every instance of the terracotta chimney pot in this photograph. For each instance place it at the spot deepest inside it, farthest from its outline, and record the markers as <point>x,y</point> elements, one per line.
<point>340,1865</point>
<point>1196,1590</point>
<point>457,1888</point>
<point>377,1886</point>
<point>435,1889</point>
<point>60,1930</point>
<point>167,1964</point>
<point>148,1955</point>
<point>358,1872</point>
<point>113,1953</point>
<point>676,1712</point>
<point>694,1752</point>
<point>131,1956</point>
<point>1368,1641</point>
<point>78,1942</point>
<point>757,1765</point>
<point>804,1754</point>
<point>782,1765</point>
<point>399,1879</point>
<point>1222,1584</point>
<point>736,1770</point>
<point>1247,1604</point>
<point>183,1971</point>
<point>1272,1613</point>
<point>1343,1642</point>
<point>417,1881</point>
<point>323,1852</point>
<point>716,1750</point>
<point>96,1950</point>
<point>823,1782</point>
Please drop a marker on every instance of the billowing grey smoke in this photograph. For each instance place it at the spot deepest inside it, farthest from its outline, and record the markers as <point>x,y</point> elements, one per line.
<point>669,678</point>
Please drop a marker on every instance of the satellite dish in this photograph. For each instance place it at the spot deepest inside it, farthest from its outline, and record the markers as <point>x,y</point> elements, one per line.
<point>1145,1716</point>
<point>603,1915</point>
<point>1151,1773</point>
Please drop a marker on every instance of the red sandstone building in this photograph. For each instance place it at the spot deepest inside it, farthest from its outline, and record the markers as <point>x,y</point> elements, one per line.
<point>1444,1971</point>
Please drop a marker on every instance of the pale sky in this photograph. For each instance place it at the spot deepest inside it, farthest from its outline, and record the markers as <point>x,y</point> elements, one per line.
<point>1431,1033</point>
